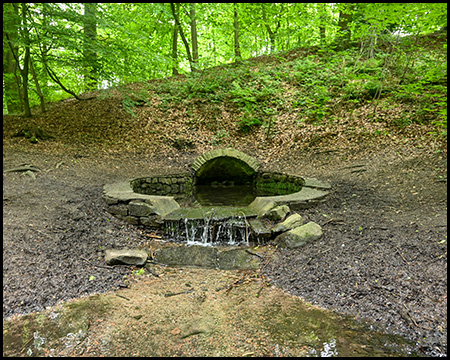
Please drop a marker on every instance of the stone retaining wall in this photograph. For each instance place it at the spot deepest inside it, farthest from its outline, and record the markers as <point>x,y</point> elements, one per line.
<point>135,208</point>
<point>163,184</point>
<point>273,181</point>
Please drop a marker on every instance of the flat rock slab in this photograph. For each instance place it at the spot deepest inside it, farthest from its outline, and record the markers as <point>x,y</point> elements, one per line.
<point>237,259</point>
<point>207,257</point>
<point>195,255</point>
<point>126,257</point>
<point>260,227</point>
<point>210,212</point>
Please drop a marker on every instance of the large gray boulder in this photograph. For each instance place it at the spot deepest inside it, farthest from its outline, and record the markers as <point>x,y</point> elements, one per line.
<point>125,257</point>
<point>300,236</point>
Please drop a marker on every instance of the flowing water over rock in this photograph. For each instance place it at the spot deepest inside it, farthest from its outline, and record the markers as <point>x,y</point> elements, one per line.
<point>233,231</point>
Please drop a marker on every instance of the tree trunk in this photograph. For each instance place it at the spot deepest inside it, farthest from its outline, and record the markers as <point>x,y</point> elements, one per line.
<point>26,62</point>
<point>194,38</point>
<point>11,84</point>
<point>272,33</point>
<point>45,48</point>
<point>90,38</point>
<point>322,23</point>
<point>186,44</point>
<point>345,18</point>
<point>237,48</point>
<point>38,88</point>
<point>175,47</point>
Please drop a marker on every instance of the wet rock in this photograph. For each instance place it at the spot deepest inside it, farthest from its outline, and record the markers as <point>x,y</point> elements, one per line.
<point>260,230</point>
<point>293,221</point>
<point>278,213</point>
<point>300,236</point>
<point>125,256</point>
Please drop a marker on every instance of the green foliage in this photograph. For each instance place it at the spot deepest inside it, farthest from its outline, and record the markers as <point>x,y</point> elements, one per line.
<point>139,272</point>
<point>248,121</point>
<point>220,136</point>
<point>133,43</point>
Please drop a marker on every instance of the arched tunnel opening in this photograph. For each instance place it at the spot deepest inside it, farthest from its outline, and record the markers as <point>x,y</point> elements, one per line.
<point>224,171</point>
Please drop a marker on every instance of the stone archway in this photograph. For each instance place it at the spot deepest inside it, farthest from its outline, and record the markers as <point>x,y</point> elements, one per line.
<point>227,165</point>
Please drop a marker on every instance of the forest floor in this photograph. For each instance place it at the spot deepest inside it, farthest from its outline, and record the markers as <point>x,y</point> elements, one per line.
<point>382,258</point>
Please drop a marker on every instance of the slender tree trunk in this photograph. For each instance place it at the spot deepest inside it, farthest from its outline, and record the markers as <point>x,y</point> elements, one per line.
<point>322,23</point>
<point>237,48</point>
<point>186,44</point>
<point>322,34</point>
<point>175,47</point>
<point>38,88</point>
<point>272,33</point>
<point>45,48</point>
<point>26,62</point>
<point>194,38</point>
<point>288,37</point>
<point>90,38</point>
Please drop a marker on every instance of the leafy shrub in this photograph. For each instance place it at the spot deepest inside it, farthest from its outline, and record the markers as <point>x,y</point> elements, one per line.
<point>247,123</point>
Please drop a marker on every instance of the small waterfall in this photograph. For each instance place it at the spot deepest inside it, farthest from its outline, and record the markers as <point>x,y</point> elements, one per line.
<point>209,231</point>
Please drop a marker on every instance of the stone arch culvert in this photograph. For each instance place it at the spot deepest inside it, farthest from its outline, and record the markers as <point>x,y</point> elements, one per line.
<point>252,205</point>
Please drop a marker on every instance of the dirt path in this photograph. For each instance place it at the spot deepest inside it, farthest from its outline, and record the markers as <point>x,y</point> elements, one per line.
<point>383,256</point>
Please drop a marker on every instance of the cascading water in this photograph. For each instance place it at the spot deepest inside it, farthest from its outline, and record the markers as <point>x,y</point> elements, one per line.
<point>210,231</point>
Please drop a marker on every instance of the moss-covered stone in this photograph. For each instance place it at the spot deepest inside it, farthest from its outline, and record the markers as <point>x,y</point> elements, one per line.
<point>237,259</point>
<point>196,255</point>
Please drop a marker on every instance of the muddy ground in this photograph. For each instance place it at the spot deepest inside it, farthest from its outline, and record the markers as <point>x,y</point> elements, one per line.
<point>383,256</point>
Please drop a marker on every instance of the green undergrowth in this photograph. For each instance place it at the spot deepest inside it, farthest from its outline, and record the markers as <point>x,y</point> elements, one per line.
<point>317,85</point>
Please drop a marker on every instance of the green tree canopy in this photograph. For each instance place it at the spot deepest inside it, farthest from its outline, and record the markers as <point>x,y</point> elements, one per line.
<point>78,47</point>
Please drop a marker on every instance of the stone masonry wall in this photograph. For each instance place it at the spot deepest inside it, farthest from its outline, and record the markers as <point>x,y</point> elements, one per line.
<point>273,181</point>
<point>163,185</point>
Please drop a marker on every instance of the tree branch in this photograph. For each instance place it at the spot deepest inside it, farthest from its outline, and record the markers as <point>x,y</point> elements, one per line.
<point>54,77</point>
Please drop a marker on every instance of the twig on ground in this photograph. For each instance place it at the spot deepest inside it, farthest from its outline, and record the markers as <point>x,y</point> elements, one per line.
<point>151,271</point>
<point>178,293</point>
<point>354,166</point>
<point>153,236</point>
<point>396,248</point>
<point>252,253</point>
<point>23,348</point>
<point>227,291</point>
<point>194,332</point>
<point>23,168</point>
<point>333,220</point>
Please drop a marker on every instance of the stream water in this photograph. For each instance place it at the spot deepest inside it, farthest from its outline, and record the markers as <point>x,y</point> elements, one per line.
<point>224,219</point>
<point>210,231</point>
